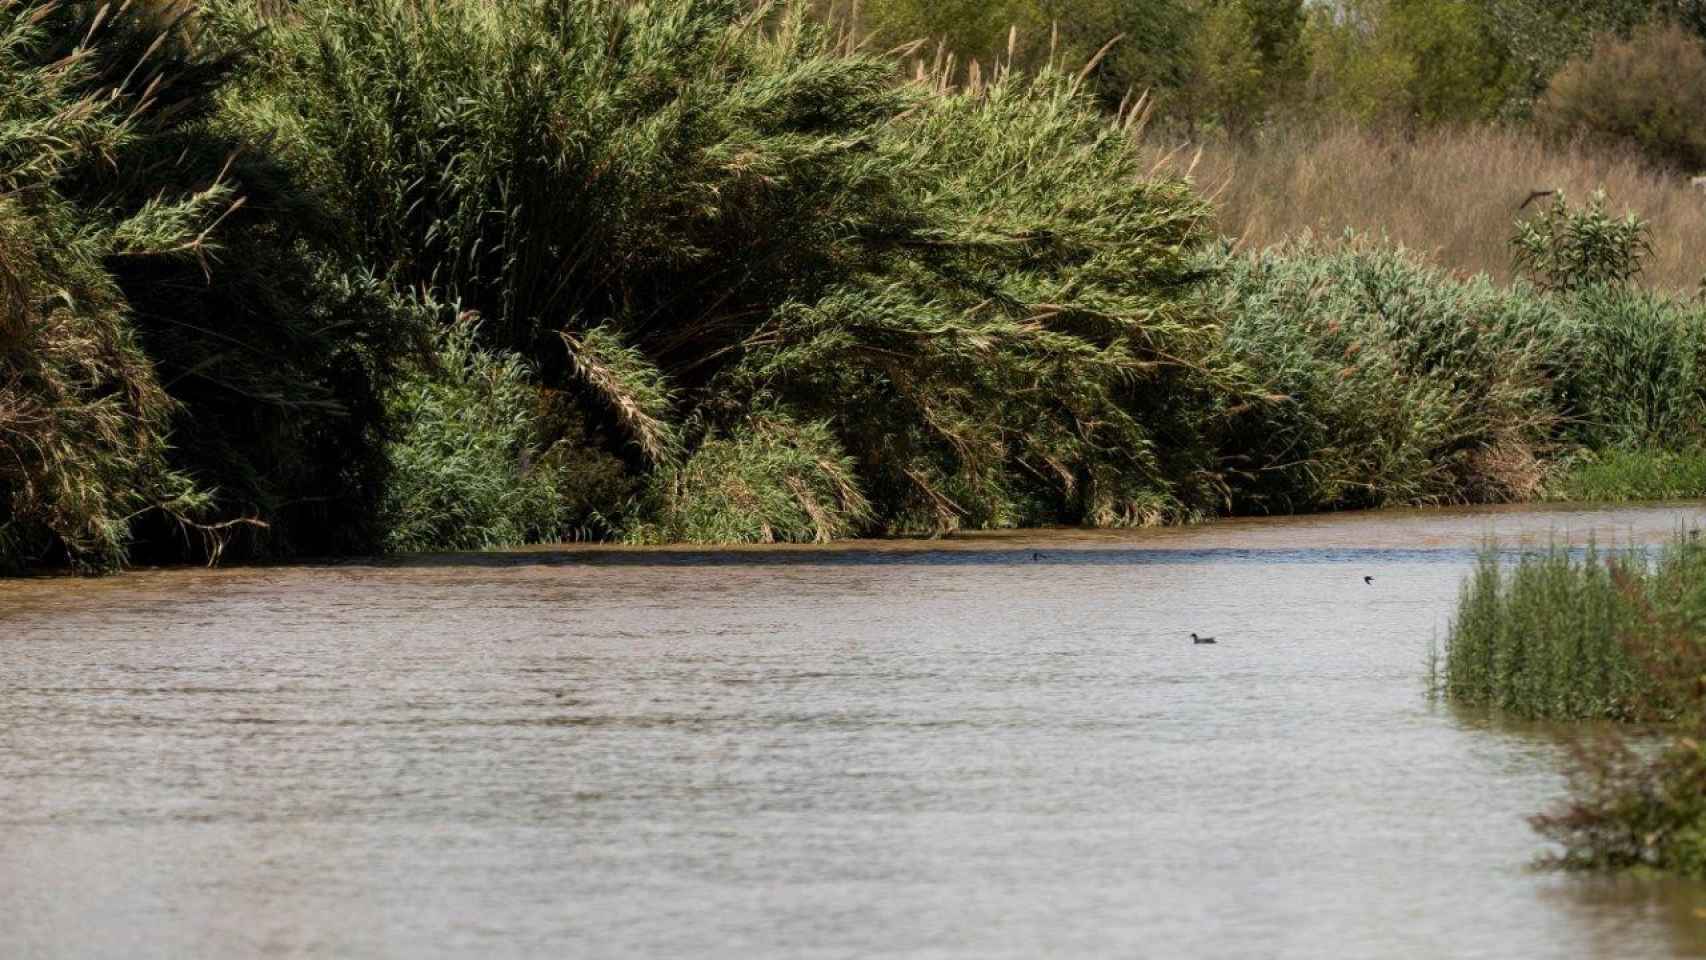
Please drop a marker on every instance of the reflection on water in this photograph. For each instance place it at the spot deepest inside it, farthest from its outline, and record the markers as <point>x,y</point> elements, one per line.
<point>952,749</point>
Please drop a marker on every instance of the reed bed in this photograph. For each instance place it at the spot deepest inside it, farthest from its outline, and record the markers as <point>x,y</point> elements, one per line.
<point>410,275</point>
<point>1378,379</point>
<point>1573,635</point>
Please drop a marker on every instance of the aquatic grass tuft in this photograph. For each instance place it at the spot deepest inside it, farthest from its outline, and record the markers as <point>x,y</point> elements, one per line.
<point>1560,634</point>
<point>1592,635</point>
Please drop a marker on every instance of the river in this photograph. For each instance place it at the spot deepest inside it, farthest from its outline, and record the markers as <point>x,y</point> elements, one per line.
<point>995,746</point>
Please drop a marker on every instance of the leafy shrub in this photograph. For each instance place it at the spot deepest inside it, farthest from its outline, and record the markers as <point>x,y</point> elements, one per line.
<point>1629,808</point>
<point>1648,89</point>
<point>1409,63</point>
<point>1567,249</point>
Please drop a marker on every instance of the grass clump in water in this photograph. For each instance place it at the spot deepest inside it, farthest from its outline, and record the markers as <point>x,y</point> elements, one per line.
<point>1556,635</point>
<point>1566,636</point>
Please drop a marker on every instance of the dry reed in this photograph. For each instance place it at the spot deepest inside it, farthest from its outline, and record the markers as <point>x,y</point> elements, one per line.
<point>1452,195</point>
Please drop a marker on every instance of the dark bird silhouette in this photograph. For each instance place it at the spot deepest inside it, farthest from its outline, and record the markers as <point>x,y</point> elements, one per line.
<point>1036,556</point>
<point>1197,639</point>
<point>1536,195</point>
<point>1367,579</point>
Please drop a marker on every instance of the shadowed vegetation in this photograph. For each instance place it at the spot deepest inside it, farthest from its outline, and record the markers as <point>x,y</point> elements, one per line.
<point>153,291</point>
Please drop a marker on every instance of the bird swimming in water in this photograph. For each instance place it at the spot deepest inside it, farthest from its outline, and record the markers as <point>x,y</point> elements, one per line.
<point>1367,579</point>
<point>1036,556</point>
<point>1197,639</point>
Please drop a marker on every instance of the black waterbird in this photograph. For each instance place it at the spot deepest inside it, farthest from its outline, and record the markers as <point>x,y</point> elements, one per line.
<point>1197,639</point>
<point>1367,579</point>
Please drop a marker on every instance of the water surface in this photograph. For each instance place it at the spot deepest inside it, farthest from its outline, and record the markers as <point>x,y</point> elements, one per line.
<point>952,749</point>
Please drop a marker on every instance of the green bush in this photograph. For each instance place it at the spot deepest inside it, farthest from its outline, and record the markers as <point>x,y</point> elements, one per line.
<point>1378,380</point>
<point>1372,379</point>
<point>471,468</point>
<point>1568,249</point>
<point>1648,89</point>
<point>1629,808</point>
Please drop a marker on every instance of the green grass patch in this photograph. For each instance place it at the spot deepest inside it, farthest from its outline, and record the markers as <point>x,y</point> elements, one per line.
<point>1618,475</point>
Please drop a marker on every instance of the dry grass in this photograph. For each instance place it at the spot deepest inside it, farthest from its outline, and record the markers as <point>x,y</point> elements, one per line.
<point>1452,194</point>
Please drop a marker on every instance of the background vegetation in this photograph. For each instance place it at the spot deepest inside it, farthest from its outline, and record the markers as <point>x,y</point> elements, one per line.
<point>1449,194</point>
<point>315,277</point>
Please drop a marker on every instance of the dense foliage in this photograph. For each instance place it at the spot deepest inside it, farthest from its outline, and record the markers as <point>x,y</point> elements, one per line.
<point>163,282</point>
<point>1392,383</point>
<point>323,277</point>
<point>956,306</point>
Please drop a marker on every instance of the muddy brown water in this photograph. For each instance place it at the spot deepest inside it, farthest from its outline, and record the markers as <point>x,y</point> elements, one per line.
<point>953,749</point>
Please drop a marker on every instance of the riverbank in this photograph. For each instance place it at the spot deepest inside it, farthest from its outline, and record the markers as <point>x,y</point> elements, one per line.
<point>490,277</point>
